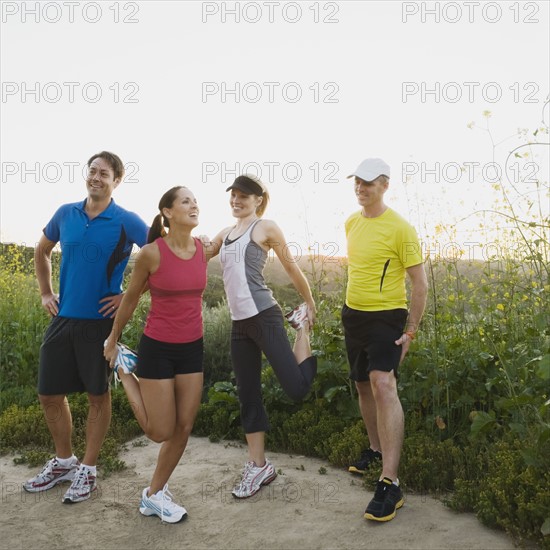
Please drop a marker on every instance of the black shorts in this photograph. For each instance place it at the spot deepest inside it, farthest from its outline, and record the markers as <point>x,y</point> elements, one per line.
<point>71,357</point>
<point>370,340</point>
<point>160,360</point>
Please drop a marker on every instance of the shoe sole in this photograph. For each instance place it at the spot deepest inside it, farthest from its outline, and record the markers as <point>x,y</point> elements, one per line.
<point>147,512</point>
<point>354,470</point>
<point>262,484</point>
<point>385,518</point>
<point>68,500</point>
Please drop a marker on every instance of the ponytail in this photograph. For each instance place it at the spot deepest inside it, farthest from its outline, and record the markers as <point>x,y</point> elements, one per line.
<point>156,230</point>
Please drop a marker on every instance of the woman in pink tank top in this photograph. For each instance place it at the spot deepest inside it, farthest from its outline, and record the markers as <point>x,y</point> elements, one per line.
<point>167,395</point>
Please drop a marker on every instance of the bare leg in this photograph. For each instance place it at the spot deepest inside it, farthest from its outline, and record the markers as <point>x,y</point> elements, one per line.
<point>367,405</point>
<point>60,423</point>
<point>97,424</point>
<point>390,420</point>
<point>131,386</point>
<point>256,447</point>
<point>158,403</point>
<point>188,393</point>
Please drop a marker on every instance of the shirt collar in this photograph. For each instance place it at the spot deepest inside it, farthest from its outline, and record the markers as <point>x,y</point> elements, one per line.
<point>107,213</point>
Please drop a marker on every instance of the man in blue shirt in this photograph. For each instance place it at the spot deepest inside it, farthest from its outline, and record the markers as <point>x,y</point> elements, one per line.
<point>96,238</point>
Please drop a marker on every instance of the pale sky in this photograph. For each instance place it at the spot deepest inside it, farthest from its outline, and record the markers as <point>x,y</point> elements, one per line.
<point>187,95</point>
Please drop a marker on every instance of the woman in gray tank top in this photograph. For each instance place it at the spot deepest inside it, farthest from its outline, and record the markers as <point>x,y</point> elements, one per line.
<point>258,323</point>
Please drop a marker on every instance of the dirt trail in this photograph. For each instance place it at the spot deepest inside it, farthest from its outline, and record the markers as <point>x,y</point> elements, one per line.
<point>302,509</point>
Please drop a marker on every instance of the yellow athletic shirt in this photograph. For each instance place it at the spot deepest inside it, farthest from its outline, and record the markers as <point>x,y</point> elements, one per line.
<point>379,251</point>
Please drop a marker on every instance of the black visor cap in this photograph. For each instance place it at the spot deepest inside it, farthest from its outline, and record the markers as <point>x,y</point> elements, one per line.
<point>247,185</point>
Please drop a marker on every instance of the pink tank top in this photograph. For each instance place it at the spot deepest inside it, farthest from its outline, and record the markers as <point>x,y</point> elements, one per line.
<point>176,296</point>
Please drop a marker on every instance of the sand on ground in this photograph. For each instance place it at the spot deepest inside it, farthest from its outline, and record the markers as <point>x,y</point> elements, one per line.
<point>310,505</point>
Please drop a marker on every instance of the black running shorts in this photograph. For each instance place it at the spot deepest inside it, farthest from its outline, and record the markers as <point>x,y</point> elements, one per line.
<point>160,360</point>
<point>370,340</point>
<point>71,357</point>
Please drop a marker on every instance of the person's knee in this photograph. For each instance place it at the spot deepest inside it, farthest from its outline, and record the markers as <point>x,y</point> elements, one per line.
<point>159,434</point>
<point>99,405</point>
<point>179,436</point>
<point>53,406</point>
<point>161,431</point>
<point>183,429</point>
<point>383,385</point>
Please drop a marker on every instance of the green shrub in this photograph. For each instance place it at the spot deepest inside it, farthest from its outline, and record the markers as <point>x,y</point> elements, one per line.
<point>512,495</point>
<point>23,427</point>
<point>346,446</point>
<point>217,342</point>
<point>308,430</point>
<point>428,465</point>
<point>219,417</point>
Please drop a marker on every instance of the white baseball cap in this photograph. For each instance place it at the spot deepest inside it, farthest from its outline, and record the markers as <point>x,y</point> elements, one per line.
<point>370,169</point>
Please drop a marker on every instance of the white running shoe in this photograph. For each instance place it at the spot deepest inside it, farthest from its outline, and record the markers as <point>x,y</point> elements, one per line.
<point>254,478</point>
<point>82,487</point>
<point>126,359</point>
<point>298,316</point>
<point>161,504</point>
<point>52,473</point>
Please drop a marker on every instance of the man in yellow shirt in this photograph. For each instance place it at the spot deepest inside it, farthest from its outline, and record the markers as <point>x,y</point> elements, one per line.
<point>383,249</point>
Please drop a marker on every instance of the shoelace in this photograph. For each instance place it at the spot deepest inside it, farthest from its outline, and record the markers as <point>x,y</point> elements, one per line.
<point>166,495</point>
<point>48,469</point>
<point>80,478</point>
<point>247,471</point>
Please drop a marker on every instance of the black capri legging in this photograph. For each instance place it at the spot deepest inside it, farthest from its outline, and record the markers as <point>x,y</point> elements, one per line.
<point>249,337</point>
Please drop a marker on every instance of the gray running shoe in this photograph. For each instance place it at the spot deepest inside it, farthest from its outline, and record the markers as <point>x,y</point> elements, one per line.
<point>253,478</point>
<point>82,487</point>
<point>52,473</point>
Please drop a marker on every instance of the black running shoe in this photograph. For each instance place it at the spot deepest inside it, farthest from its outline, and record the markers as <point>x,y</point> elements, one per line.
<point>368,456</point>
<point>387,499</point>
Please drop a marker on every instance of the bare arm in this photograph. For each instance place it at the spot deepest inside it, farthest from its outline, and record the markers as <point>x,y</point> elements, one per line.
<point>419,293</point>
<point>276,240</point>
<point>212,247</point>
<point>146,263</point>
<point>43,271</point>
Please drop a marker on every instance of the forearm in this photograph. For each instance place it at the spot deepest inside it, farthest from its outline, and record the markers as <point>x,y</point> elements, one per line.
<point>124,314</point>
<point>43,271</point>
<point>416,309</point>
<point>302,286</point>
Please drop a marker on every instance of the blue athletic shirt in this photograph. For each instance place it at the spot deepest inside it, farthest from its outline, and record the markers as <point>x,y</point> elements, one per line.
<point>94,254</point>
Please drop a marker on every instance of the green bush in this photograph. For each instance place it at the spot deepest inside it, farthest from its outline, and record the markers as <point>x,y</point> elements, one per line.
<point>508,493</point>
<point>306,431</point>
<point>219,417</point>
<point>217,345</point>
<point>346,446</point>
<point>23,427</point>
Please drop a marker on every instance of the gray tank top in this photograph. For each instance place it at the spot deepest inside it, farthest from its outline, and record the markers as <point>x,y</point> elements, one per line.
<point>243,262</point>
